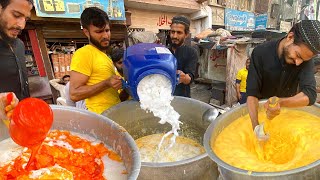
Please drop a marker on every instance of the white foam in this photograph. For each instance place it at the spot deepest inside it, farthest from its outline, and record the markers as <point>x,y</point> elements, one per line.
<point>9,151</point>
<point>37,173</point>
<point>64,144</point>
<point>113,170</point>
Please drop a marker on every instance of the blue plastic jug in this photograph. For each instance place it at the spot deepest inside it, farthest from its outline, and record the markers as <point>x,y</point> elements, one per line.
<point>144,59</point>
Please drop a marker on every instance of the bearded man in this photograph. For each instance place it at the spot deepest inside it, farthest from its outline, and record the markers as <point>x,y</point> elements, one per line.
<point>93,76</point>
<point>13,17</point>
<point>284,69</point>
<point>186,56</point>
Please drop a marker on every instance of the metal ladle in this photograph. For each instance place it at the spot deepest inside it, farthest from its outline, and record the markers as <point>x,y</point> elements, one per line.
<point>210,115</point>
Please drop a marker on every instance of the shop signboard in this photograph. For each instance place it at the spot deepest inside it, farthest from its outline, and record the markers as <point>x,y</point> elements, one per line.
<point>285,26</point>
<point>239,20</point>
<point>261,21</point>
<point>74,8</point>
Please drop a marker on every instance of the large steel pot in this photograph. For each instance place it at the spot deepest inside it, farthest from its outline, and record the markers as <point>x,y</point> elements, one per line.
<point>139,123</point>
<point>100,127</point>
<point>228,172</point>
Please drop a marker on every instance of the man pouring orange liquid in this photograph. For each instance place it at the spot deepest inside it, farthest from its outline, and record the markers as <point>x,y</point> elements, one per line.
<point>283,69</point>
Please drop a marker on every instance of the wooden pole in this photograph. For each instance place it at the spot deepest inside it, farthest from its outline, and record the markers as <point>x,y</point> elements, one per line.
<point>46,60</point>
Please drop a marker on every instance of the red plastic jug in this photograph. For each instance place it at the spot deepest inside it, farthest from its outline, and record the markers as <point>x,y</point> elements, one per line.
<point>31,121</point>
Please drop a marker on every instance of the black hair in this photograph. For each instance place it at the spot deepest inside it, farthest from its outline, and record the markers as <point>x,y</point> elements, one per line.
<point>182,20</point>
<point>117,54</point>
<point>65,76</point>
<point>5,3</point>
<point>62,79</point>
<point>94,16</point>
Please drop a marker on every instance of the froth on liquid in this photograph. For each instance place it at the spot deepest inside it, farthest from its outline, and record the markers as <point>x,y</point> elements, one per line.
<point>184,148</point>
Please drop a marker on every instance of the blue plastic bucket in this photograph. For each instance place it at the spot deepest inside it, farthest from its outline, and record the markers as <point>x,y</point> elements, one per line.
<point>144,59</point>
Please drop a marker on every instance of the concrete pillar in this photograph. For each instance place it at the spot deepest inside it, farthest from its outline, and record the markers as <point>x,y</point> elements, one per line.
<point>202,19</point>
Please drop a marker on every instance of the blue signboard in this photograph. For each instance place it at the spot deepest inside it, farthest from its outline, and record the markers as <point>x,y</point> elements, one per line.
<point>261,21</point>
<point>239,20</point>
<point>74,8</point>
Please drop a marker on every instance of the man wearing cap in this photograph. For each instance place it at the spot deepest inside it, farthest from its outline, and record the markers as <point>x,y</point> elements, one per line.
<point>186,56</point>
<point>284,68</point>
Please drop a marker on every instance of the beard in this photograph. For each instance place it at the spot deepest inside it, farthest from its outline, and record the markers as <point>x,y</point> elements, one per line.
<point>175,45</point>
<point>285,55</point>
<point>4,35</point>
<point>97,44</point>
<point>120,71</point>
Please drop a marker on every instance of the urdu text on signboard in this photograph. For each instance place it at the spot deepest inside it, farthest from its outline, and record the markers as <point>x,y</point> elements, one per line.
<point>239,20</point>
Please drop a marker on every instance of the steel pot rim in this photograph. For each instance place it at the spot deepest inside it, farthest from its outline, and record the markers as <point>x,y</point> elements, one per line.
<point>221,163</point>
<point>164,164</point>
<point>176,163</point>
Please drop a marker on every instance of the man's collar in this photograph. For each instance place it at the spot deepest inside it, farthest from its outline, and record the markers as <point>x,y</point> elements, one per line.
<point>171,47</point>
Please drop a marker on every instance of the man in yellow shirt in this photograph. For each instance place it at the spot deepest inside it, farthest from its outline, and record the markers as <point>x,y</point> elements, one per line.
<point>93,76</point>
<point>241,83</point>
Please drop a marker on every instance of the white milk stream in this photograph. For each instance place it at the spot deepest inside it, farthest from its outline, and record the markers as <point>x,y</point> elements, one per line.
<point>154,92</point>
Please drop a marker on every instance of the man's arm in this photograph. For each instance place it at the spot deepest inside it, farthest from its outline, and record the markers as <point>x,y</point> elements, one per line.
<point>254,84</point>
<point>253,106</point>
<point>238,81</point>
<point>307,86</point>
<point>55,83</point>
<point>184,78</point>
<point>79,90</point>
<point>238,90</point>
<point>187,76</point>
<point>298,100</point>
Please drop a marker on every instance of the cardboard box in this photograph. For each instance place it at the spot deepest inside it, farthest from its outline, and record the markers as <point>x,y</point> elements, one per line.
<point>56,66</point>
<point>62,64</point>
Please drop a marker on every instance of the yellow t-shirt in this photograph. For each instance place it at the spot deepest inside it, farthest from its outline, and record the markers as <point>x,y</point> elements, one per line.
<point>92,62</point>
<point>242,76</point>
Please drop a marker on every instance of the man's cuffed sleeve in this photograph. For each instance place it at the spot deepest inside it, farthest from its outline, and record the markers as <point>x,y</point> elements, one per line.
<point>254,79</point>
<point>192,64</point>
<point>307,82</point>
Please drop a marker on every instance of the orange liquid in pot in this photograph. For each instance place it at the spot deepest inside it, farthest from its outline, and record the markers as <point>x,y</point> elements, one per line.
<point>294,142</point>
<point>76,155</point>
